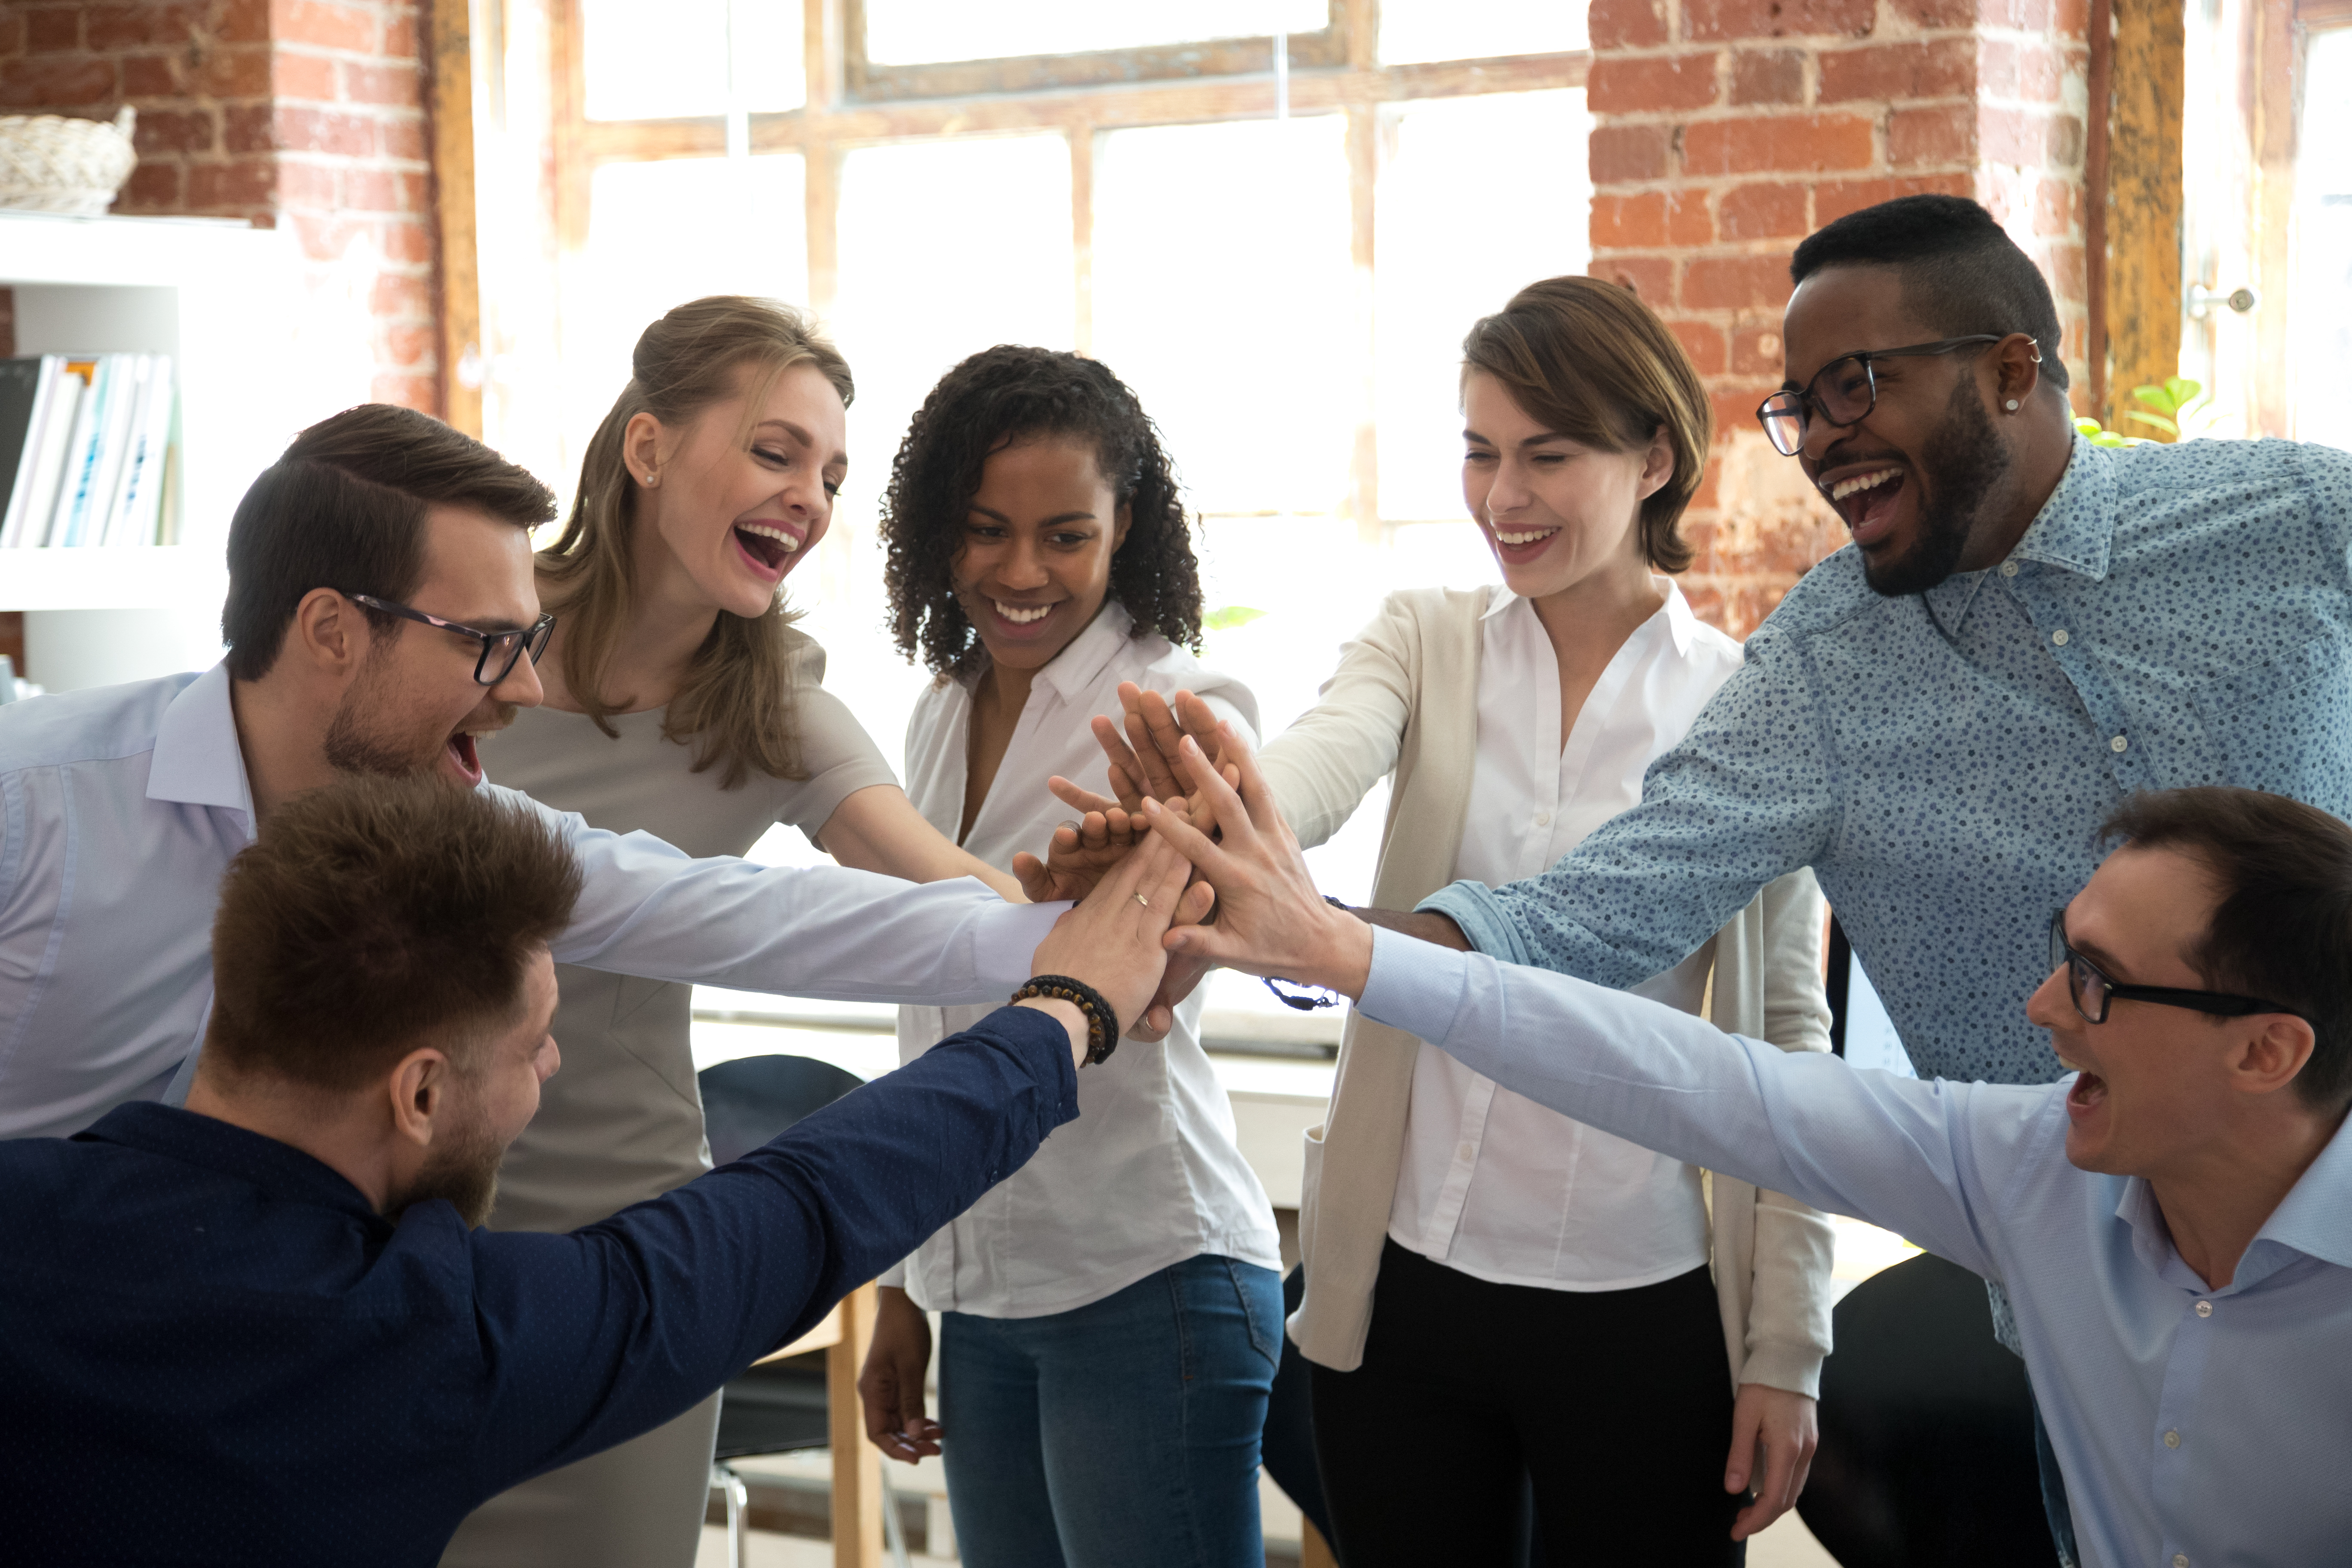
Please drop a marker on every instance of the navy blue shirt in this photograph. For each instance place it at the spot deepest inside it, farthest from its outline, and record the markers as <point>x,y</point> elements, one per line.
<point>213,1350</point>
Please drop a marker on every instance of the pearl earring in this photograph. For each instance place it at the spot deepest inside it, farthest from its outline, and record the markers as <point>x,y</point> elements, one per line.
<point>2011,405</point>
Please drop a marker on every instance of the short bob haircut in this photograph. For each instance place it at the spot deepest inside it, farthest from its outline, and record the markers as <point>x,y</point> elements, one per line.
<point>377,915</point>
<point>2282,928</point>
<point>1588,361</point>
<point>344,508</point>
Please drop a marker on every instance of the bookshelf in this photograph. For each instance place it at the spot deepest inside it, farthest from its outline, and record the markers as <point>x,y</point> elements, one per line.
<point>229,303</point>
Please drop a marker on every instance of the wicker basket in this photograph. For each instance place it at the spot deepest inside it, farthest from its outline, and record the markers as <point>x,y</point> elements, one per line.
<point>54,165</point>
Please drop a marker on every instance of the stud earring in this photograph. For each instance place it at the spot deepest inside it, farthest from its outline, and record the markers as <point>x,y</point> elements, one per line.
<point>2011,405</point>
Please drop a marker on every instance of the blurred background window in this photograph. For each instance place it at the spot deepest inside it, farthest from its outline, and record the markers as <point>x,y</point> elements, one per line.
<point>1282,263</point>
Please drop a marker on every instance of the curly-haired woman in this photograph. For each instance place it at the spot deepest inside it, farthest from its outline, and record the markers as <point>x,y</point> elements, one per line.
<point>1111,1314</point>
<point>681,700</point>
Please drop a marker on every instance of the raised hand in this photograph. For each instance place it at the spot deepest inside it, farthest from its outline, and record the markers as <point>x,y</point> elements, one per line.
<point>1080,851</point>
<point>1271,919</point>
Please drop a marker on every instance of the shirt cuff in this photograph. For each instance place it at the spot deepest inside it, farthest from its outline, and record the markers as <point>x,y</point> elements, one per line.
<point>1413,986</point>
<point>1483,919</point>
<point>1005,947</point>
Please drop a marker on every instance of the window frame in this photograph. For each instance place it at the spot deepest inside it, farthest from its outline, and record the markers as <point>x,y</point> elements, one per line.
<point>851,104</point>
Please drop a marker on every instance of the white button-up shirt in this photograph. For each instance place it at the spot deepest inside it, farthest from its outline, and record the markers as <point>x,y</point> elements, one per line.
<point>120,807</point>
<point>1149,1175</point>
<point>1492,1183</point>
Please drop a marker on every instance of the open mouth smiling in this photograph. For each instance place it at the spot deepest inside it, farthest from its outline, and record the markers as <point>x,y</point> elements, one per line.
<point>1865,497</point>
<point>768,545</point>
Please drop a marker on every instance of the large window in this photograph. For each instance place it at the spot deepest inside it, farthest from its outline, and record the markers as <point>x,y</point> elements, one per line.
<point>1281,262</point>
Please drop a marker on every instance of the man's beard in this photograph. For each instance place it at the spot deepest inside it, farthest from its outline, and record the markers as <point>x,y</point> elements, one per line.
<point>466,1173</point>
<point>1961,463</point>
<point>353,744</point>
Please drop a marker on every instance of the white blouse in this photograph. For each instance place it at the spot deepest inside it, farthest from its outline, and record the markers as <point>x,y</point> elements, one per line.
<point>1149,1175</point>
<point>1492,1183</point>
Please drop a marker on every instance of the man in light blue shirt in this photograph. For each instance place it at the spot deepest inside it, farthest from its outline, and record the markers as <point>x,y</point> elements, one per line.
<point>382,614</point>
<point>2173,1223</point>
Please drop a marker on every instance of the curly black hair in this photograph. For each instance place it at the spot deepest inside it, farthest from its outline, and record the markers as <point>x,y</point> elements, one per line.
<point>1003,394</point>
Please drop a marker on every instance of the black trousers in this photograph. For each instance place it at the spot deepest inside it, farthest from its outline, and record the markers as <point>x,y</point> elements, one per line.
<point>1613,1406</point>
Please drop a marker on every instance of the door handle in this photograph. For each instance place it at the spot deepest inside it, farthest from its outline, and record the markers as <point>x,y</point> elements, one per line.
<point>2202,299</point>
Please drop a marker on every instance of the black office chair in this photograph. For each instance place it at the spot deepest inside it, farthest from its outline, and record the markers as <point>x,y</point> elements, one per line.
<point>1927,1448</point>
<point>778,1407</point>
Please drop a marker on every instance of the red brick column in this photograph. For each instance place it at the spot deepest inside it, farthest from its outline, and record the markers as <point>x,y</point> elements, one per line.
<point>305,112</point>
<point>1724,131</point>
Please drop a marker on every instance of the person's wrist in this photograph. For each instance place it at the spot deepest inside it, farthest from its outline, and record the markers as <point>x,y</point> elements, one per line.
<point>1341,957</point>
<point>1066,1014</point>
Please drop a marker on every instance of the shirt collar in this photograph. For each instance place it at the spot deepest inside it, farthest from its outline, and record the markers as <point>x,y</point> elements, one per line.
<point>2072,532</point>
<point>1682,622</point>
<point>1072,673</point>
<point>2315,1219</point>
<point>2316,1216</point>
<point>278,1169</point>
<point>197,759</point>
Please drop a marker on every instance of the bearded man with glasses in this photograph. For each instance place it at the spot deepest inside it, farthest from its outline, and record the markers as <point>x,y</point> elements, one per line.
<point>382,616</point>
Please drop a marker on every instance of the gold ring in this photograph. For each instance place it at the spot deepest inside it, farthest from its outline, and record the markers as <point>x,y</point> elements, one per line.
<point>1144,902</point>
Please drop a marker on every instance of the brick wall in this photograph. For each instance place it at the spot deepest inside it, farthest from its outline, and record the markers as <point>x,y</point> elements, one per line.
<point>1724,131</point>
<point>307,113</point>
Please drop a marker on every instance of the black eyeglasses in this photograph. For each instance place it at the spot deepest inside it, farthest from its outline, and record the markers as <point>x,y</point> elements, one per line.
<point>1844,392</point>
<point>500,650</point>
<point>2092,991</point>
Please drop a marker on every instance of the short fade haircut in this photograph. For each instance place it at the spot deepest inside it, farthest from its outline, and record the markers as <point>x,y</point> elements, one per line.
<point>377,915</point>
<point>1961,272</point>
<point>2282,928</point>
<point>1588,360</point>
<point>344,508</point>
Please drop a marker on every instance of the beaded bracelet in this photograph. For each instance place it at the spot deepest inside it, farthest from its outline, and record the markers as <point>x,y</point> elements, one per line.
<point>1102,1024</point>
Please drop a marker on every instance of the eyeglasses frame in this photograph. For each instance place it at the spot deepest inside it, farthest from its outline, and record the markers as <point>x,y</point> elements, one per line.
<point>1806,400</point>
<point>531,640</point>
<point>2220,1003</point>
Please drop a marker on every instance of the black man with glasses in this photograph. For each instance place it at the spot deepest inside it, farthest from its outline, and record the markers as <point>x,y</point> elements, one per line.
<point>2028,630</point>
<point>380,617</point>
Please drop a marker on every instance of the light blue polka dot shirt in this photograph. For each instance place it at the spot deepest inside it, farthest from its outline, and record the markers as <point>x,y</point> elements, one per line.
<point>2175,615</point>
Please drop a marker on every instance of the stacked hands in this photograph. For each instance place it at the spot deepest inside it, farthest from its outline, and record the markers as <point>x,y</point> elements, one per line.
<point>1183,779</point>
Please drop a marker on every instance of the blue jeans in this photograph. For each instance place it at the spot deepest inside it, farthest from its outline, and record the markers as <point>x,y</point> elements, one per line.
<point>1123,1434</point>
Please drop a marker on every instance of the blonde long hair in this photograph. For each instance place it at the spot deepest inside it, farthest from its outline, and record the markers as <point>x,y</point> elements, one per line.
<point>735,703</point>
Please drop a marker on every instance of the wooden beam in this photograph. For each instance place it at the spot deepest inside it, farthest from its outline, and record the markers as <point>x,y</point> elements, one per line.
<point>1081,132</point>
<point>856,1463</point>
<point>1363,186</point>
<point>1108,108</point>
<point>452,115</point>
<point>2274,101</point>
<point>822,52</point>
<point>2145,201</point>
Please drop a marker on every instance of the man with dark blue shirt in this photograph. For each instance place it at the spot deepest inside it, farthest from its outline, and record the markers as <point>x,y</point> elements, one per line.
<point>262,1329</point>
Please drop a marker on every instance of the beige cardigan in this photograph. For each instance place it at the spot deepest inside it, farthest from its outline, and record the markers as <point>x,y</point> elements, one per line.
<point>1405,697</point>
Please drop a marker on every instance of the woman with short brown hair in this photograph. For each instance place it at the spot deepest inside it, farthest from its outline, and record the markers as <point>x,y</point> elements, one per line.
<point>1495,1294</point>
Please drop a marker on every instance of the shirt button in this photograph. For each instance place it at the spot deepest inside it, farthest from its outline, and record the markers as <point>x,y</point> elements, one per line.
<point>2009,568</point>
<point>2117,745</point>
<point>2172,1440</point>
<point>1465,1152</point>
<point>2204,1308</point>
<point>2181,1560</point>
<point>1543,819</point>
<point>2059,637</point>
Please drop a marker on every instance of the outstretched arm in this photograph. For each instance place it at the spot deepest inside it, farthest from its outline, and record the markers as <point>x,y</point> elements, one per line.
<point>605,1332</point>
<point>877,828</point>
<point>1910,1156</point>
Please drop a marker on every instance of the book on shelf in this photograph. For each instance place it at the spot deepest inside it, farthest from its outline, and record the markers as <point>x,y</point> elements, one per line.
<point>88,450</point>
